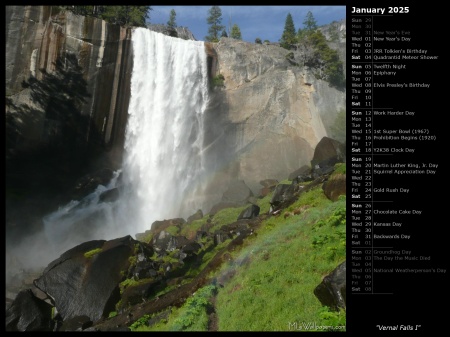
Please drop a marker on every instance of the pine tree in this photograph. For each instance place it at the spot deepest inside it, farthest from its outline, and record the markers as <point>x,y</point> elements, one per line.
<point>171,24</point>
<point>214,21</point>
<point>309,22</point>
<point>224,33</point>
<point>126,15</point>
<point>289,37</point>
<point>236,32</point>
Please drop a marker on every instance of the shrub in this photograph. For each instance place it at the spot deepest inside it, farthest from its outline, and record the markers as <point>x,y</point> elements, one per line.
<point>218,80</point>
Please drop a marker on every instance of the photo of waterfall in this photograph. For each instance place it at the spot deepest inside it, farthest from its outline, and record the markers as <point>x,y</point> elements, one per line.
<point>164,159</point>
<point>164,172</point>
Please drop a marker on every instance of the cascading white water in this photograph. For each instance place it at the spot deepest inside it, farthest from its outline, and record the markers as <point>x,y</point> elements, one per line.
<point>164,162</point>
<point>163,172</point>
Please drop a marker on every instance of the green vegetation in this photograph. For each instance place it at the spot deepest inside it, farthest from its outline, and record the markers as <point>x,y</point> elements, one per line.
<point>236,32</point>
<point>173,230</point>
<point>226,216</point>
<point>112,314</point>
<point>340,168</point>
<point>288,39</point>
<point>171,24</point>
<point>275,281</point>
<point>314,49</point>
<point>218,80</point>
<point>92,252</point>
<point>192,316</point>
<point>127,16</point>
<point>266,288</point>
<point>273,273</point>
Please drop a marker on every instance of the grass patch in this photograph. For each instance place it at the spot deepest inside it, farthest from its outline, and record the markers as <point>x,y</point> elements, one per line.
<point>173,230</point>
<point>274,280</point>
<point>226,216</point>
<point>190,230</point>
<point>340,168</point>
<point>192,316</point>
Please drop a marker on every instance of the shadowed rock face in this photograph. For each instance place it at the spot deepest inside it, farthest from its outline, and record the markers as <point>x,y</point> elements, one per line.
<point>28,313</point>
<point>37,38</point>
<point>89,286</point>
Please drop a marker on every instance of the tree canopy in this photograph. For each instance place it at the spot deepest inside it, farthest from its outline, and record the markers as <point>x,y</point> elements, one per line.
<point>127,16</point>
<point>214,21</point>
<point>171,24</point>
<point>236,32</point>
<point>289,34</point>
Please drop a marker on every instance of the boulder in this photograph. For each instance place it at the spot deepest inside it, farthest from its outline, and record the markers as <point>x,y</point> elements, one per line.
<point>159,225</point>
<point>332,291</point>
<point>138,293</point>
<point>165,241</point>
<point>250,212</point>
<point>196,216</point>
<point>88,285</point>
<point>302,171</point>
<point>28,313</point>
<point>335,186</point>
<point>281,194</point>
<point>269,183</point>
<point>327,153</point>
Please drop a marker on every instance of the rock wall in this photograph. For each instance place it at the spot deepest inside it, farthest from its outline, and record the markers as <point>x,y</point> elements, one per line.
<point>92,61</point>
<point>274,113</point>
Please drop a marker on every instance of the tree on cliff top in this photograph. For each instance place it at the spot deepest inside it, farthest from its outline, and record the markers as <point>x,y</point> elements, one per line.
<point>288,38</point>
<point>120,15</point>
<point>126,15</point>
<point>171,24</point>
<point>214,21</point>
<point>236,32</point>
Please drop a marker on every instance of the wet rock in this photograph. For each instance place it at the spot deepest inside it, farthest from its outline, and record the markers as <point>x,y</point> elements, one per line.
<point>28,313</point>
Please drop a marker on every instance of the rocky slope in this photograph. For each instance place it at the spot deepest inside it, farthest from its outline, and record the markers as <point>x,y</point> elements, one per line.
<point>118,284</point>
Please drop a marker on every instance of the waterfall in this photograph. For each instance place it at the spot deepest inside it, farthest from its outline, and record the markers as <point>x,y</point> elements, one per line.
<point>163,172</point>
<point>164,160</point>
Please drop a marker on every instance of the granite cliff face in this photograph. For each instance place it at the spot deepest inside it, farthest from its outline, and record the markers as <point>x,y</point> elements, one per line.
<point>274,112</point>
<point>55,56</point>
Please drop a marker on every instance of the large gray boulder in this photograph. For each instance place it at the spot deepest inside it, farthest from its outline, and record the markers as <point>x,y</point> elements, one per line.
<point>327,153</point>
<point>88,285</point>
